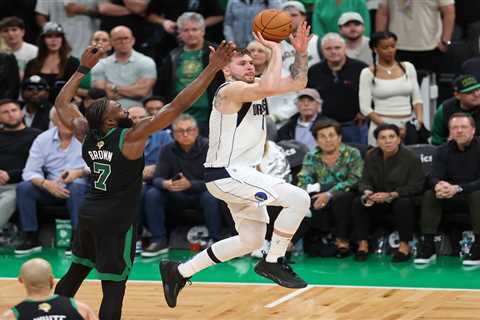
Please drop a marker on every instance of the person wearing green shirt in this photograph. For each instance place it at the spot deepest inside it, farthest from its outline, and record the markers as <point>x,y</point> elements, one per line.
<point>330,174</point>
<point>326,13</point>
<point>466,99</point>
<point>184,64</point>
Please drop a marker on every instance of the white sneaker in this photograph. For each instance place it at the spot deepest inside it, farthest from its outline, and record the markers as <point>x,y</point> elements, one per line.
<point>260,251</point>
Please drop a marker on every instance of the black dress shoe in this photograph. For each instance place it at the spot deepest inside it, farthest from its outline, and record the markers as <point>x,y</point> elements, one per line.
<point>361,255</point>
<point>342,253</point>
<point>400,257</point>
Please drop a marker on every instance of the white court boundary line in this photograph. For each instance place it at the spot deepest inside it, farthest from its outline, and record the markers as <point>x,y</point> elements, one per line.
<point>287,297</point>
<point>276,285</point>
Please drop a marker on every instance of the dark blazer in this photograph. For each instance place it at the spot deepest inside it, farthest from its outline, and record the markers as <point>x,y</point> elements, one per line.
<point>402,173</point>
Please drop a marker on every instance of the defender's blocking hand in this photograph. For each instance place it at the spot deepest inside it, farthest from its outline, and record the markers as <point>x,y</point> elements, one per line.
<point>221,56</point>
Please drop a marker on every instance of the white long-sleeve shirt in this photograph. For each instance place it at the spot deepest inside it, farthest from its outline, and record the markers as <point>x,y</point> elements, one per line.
<point>391,97</point>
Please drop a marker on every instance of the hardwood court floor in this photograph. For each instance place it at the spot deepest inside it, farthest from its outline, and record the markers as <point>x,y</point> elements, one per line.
<point>245,295</point>
<point>235,301</point>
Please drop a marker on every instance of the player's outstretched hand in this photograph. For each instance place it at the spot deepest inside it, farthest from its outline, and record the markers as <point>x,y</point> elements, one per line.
<point>300,39</point>
<point>220,56</point>
<point>267,43</point>
<point>91,55</point>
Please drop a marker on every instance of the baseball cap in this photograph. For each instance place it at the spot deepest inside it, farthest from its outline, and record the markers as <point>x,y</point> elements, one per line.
<point>296,4</point>
<point>350,16</point>
<point>36,81</point>
<point>52,27</point>
<point>465,83</point>
<point>312,93</point>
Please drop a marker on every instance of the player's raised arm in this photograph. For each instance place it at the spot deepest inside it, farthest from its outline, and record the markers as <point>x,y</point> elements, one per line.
<point>66,111</point>
<point>271,82</point>
<point>218,59</point>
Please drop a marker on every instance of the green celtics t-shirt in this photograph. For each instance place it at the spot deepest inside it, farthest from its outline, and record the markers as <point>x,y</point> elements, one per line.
<point>188,69</point>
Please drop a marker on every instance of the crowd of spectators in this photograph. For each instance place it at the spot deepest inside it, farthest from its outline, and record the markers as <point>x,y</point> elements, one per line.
<point>351,127</point>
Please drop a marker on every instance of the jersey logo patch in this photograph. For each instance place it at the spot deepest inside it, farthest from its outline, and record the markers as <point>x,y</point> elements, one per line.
<point>100,144</point>
<point>261,196</point>
<point>260,108</point>
<point>45,307</point>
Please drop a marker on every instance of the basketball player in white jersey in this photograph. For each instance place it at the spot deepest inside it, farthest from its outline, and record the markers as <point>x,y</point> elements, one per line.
<point>236,146</point>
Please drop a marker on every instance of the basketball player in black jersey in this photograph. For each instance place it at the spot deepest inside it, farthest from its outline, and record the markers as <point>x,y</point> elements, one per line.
<point>37,278</point>
<point>113,150</point>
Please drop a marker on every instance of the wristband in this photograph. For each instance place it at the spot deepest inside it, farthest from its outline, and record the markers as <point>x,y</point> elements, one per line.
<point>83,69</point>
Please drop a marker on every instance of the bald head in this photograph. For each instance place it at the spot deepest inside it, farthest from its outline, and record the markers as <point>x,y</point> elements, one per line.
<point>36,274</point>
<point>122,40</point>
<point>121,30</point>
<point>137,114</point>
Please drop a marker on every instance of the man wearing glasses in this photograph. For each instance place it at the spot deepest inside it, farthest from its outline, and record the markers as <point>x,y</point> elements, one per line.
<point>180,184</point>
<point>127,75</point>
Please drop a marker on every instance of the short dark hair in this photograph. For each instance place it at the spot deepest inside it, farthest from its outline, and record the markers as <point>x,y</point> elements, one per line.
<point>327,123</point>
<point>155,98</point>
<point>10,22</point>
<point>386,126</point>
<point>240,52</point>
<point>94,115</point>
<point>462,115</point>
<point>7,101</point>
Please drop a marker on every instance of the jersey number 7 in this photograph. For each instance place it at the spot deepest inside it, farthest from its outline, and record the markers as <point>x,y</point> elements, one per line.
<point>103,171</point>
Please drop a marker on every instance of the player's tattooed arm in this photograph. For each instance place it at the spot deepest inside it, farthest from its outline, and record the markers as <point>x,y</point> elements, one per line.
<point>299,68</point>
<point>299,41</point>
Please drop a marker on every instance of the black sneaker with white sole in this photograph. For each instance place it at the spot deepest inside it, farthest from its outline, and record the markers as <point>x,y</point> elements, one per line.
<point>280,273</point>
<point>173,282</point>
<point>28,246</point>
<point>473,258</point>
<point>426,253</point>
<point>155,249</point>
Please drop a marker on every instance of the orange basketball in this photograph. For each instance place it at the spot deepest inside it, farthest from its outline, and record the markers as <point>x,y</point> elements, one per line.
<point>273,25</point>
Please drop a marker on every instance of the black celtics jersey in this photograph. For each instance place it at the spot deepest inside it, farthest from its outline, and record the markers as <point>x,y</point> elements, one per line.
<point>116,181</point>
<point>54,308</point>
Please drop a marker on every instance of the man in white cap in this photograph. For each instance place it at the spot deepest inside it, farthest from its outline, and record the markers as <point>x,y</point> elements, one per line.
<point>352,27</point>
<point>283,107</point>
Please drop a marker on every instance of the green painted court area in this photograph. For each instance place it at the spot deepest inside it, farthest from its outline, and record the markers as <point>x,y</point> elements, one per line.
<point>378,271</point>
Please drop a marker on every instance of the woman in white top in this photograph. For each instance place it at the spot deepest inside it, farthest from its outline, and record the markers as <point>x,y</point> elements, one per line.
<point>391,85</point>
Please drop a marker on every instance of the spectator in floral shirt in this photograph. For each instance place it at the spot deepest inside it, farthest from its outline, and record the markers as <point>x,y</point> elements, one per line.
<point>330,173</point>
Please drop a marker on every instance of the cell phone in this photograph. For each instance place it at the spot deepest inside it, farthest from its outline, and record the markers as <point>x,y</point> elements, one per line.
<point>65,175</point>
<point>176,177</point>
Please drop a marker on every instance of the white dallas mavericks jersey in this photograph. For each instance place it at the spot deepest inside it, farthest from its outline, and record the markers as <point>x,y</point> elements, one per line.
<point>283,107</point>
<point>237,139</point>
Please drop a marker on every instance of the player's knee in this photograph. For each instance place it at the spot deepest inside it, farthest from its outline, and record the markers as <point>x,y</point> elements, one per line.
<point>300,200</point>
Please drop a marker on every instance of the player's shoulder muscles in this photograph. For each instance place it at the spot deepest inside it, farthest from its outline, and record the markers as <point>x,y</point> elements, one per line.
<point>240,92</point>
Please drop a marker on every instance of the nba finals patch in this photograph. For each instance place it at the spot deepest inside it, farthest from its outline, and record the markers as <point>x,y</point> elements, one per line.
<point>100,144</point>
<point>45,307</point>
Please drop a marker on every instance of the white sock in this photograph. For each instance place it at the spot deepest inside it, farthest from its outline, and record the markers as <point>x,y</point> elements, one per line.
<point>278,247</point>
<point>220,251</point>
<point>199,262</point>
